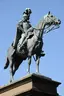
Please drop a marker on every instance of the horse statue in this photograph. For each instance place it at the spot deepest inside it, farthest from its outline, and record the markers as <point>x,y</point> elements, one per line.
<point>33,45</point>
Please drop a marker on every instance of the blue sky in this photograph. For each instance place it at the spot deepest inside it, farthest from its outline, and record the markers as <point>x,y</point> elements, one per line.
<point>52,65</point>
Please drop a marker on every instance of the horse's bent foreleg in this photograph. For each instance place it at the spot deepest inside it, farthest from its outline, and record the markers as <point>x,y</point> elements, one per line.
<point>37,63</point>
<point>29,62</point>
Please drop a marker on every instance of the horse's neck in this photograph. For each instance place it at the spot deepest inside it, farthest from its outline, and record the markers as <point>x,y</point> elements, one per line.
<point>40,25</point>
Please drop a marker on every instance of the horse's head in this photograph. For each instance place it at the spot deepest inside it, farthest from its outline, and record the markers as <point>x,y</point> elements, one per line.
<point>50,22</point>
<point>50,19</point>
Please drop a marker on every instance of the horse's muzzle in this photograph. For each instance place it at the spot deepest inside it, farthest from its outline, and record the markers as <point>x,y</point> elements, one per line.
<point>59,21</point>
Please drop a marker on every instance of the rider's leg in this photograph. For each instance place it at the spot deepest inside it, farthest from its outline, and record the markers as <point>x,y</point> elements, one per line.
<point>20,43</point>
<point>41,51</point>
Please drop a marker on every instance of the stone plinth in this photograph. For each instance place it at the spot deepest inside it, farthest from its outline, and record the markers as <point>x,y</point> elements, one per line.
<point>31,85</point>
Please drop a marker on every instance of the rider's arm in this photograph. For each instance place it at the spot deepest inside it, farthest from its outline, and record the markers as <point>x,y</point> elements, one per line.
<point>31,28</point>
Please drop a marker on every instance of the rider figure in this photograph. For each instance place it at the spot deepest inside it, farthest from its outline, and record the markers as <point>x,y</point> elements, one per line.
<point>23,28</point>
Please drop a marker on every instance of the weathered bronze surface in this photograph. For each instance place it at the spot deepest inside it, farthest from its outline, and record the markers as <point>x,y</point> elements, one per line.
<point>29,41</point>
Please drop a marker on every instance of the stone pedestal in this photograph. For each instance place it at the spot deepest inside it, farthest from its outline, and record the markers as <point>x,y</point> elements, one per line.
<point>31,85</point>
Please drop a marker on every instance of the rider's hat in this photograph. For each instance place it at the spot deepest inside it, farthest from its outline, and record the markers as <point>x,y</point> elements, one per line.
<point>27,11</point>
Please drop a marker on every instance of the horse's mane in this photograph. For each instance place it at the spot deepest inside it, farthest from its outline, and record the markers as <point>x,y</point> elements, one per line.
<point>38,26</point>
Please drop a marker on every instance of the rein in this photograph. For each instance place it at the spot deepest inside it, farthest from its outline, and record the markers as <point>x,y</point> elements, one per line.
<point>48,29</point>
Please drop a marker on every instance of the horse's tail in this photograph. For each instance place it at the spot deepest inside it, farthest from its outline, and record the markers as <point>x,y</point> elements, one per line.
<point>6,64</point>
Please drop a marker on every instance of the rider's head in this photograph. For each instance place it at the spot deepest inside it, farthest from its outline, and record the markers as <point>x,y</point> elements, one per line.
<point>26,14</point>
<point>25,17</point>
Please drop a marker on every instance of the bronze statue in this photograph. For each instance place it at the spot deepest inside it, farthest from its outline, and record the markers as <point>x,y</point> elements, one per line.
<point>29,42</point>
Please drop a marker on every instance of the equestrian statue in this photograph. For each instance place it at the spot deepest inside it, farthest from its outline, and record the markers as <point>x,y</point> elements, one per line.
<point>28,41</point>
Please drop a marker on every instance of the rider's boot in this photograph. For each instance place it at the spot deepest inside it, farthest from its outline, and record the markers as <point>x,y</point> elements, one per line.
<point>42,53</point>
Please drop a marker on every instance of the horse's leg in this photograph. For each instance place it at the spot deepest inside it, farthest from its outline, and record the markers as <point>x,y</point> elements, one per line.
<point>11,70</point>
<point>37,63</point>
<point>29,62</point>
<point>16,64</point>
<point>14,68</point>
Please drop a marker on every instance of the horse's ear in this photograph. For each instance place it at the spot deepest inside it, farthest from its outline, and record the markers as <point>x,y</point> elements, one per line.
<point>48,12</point>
